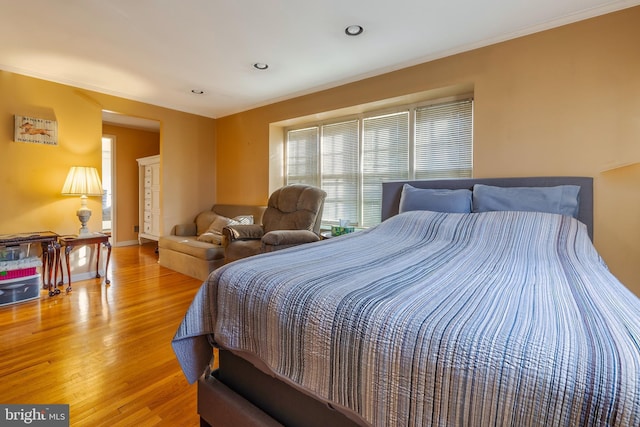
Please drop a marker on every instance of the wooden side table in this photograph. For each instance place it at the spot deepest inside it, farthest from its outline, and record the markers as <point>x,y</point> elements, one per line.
<point>70,242</point>
<point>50,251</point>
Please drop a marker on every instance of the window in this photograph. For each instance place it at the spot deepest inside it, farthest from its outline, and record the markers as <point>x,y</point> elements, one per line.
<point>350,158</point>
<point>107,207</point>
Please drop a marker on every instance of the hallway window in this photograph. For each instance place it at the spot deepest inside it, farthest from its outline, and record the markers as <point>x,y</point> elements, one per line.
<point>107,210</point>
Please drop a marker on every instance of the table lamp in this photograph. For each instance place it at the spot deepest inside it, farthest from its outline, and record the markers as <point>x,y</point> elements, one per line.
<point>82,181</point>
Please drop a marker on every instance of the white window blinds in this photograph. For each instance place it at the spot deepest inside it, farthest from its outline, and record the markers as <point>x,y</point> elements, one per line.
<point>340,171</point>
<point>351,158</point>
<point>302,156</point>
<point>444,142</point>
<point>385,158</point>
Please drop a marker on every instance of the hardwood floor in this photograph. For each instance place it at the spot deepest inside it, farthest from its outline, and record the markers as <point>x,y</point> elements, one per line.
<point>103,349</point>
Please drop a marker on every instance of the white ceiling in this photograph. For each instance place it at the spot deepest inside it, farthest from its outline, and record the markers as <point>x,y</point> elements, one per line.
<point>157,51</point>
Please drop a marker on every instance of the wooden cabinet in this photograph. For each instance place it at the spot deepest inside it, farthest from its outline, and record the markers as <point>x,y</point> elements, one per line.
<point>149,172</point>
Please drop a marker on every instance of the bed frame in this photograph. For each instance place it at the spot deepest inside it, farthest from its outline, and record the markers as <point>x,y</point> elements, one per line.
<point>238,393</point>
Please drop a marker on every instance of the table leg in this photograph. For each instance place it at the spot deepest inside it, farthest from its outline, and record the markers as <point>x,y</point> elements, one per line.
<point>45,261</point>
<point>67,249</point>
<point>106,267</point>
<point>57,266</point>
<point>98,261</point>
<point>51,263</point>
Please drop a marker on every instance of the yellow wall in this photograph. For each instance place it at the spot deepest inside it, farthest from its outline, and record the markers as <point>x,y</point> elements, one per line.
<point>130,144</point>
<point>561,102</point>
<point>32,175</point>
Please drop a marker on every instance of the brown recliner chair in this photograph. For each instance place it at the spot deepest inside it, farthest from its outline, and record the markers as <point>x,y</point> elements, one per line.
<point>292,217</point>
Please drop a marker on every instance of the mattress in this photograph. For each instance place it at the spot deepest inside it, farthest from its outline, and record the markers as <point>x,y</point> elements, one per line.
<point>498,318</point>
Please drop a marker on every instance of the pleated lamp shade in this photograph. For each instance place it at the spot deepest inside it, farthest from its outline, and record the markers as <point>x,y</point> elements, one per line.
<point>82,181</point>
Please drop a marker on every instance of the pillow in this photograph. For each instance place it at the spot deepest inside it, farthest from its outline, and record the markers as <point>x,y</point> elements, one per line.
<point>434,199</point>
<point>204,220</point>
<point>214,232</point>
<point>243,219</point>
<point>562,199</point>
<point>210,237</point>
<point>219,223</point>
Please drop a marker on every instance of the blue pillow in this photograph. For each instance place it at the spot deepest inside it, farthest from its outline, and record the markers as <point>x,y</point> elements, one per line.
<point>434,199</point>
<point>562,199</point>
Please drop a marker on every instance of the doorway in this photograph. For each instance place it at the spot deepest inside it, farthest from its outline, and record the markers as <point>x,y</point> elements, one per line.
<point>125,139</point>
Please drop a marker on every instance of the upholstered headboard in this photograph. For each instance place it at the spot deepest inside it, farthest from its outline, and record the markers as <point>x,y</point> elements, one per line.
<point>391,191</point>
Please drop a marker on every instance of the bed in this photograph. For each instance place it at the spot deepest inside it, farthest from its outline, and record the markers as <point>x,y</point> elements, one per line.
<point>495,317</point>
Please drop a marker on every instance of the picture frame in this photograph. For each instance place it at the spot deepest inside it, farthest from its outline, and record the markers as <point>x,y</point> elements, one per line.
<point>35,131</point>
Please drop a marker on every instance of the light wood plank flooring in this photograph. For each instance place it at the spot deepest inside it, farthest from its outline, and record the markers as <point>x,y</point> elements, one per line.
<point>103,349</point>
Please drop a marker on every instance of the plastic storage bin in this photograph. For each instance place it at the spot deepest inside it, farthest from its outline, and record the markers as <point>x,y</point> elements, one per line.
<point>20,289</point>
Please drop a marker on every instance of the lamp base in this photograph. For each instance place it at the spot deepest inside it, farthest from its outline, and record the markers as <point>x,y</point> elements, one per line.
<point>84,213</point>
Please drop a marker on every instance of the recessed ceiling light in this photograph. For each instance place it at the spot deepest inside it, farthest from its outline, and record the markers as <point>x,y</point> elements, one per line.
<point>260,66</point>
<point>353,30</point>
<point>197,91</point>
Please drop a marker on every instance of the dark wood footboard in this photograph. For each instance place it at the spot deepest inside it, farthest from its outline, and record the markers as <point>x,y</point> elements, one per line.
<point>218,405</point>
<point>240,394</point>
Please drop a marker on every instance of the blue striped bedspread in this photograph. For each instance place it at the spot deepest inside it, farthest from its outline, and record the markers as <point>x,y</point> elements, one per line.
<point>498,318</point>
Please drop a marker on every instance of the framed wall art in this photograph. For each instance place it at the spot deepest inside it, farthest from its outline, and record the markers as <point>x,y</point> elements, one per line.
<point>35,131</point>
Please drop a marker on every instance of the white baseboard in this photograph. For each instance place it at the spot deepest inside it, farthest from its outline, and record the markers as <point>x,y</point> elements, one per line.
<point>126,243</point>
<point>78,277</point>
<point>84,276</point>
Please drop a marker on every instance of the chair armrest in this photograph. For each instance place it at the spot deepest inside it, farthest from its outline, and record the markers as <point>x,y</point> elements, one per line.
<point>289,237</point>
<point>184,230</point>
<point>242,232</point>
